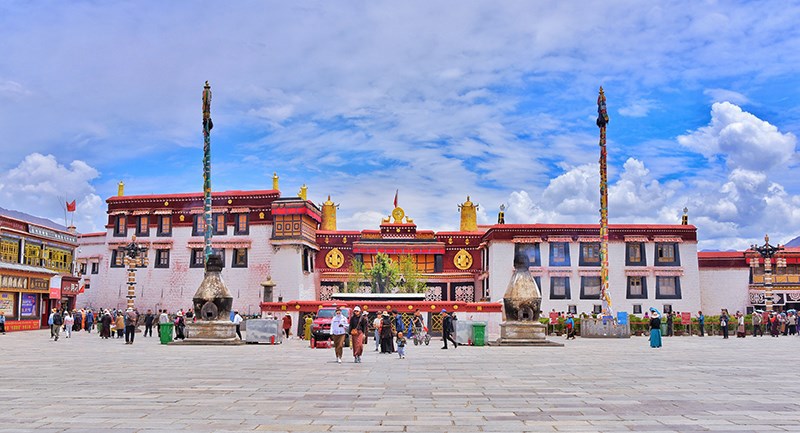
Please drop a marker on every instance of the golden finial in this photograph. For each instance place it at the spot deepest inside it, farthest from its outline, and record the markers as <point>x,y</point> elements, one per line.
<point>121,189</point>
<point>275,181</point>
<point>469,216</point>
<point>303,192</point>
<point>328,215</point>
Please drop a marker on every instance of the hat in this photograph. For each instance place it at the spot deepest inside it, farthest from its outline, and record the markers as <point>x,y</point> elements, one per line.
<point>385,314</point>
<point>357,309</point>
<point>288,313</point>
<point>180,313</point>
<point>444,310</point>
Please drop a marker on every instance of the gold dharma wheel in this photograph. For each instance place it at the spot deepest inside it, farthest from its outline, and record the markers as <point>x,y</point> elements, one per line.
<point>334,259</point>
<point>398,213</point>
<point>463,260</point>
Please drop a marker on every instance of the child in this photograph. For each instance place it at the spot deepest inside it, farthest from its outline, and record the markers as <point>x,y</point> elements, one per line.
<point>401,345</point>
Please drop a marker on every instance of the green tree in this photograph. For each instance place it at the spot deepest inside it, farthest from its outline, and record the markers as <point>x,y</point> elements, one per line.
<point>384,273</point>
<point>411,279</point>
<point>358,275</point>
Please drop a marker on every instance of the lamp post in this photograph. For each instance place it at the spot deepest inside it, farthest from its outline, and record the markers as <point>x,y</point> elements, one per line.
<point>134,256</point>
<point>767,251</point>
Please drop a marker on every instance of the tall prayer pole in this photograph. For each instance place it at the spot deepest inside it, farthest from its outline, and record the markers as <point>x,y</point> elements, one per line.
<point>207,125</point>
<point>602,121</point>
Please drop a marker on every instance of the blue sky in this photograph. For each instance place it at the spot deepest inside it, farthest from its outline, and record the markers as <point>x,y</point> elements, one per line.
<point>440,100</point>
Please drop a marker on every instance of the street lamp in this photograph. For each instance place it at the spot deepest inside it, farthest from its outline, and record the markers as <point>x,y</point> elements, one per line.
<point>134,256</point>
<point>767,251</point>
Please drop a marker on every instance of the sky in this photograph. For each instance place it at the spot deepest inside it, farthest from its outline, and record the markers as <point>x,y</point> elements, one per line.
<point>438,100</point>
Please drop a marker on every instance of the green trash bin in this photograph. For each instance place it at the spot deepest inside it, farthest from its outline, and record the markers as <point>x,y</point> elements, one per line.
<point>166,332</point>
<point>479,333</point>
<point>664,328</point>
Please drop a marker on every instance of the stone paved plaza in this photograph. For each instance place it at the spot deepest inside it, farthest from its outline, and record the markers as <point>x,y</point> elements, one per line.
<point>85,384</point>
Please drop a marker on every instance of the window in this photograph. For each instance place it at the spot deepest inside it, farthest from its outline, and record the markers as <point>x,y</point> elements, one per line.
<point>162,259</point>
<point>667,254</point>
<point>637,287</point>
<point>308,260</point>
<point>239,258</point>
<point>590,254</point>
<point>637,308</point>
<point>82,269</point>
<point>165,225</point>
<point>121,226</point>
<point>219,252</point>
<point>198,259</point>
<point>9,250</point>
<point>219,224</point>
<point>667,308</point>
<point>118,258</point>
<point>33,254</point>
<point>425,263</point>
<point>590,287</point>
<point>559,288</point>
<point>143,226</point>
<point>242,227</point>
<point>199,225</point>
<point>57,259</point>
<point>634,254</point>
<point>438,263</point>
<point>668,288</point>
<point>573,309</point>
<point>95,267</point>
<point>559,254</point>
<point>527,252</point>
<point>597,309</point>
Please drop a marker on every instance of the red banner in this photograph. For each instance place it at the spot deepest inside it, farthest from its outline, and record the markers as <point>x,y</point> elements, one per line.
<point>55,293</point>
<point>686,318</point>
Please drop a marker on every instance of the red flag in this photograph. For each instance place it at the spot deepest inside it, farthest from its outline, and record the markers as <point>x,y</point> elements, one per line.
<point>83,287</point>
<point>71,206</point>
<point>395,197</point>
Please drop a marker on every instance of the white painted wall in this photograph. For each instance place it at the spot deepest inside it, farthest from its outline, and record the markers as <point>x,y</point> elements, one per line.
<point>724,288</point>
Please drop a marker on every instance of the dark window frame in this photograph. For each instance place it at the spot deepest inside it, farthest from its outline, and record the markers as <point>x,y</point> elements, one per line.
<point>193,262</point>
<point>677,294</point>
<point>582,259</point>
<point>196,225</point>
<point>583,287</point>
<point>523,248</point>
<point>160,231</point>
<point>567,291</point>
<point>235,255</point>
<point>142,232</point>
<point>115,254</point>
<point>215,224</point>
<point>637,308</point>
<point>237,220</point>
<point>566,262</point>
<point>159,255</point>
<point>676,260</point>
<point>121,229</point>
<point>95,268</point>
<point>643,285</point>
<point>642,254</point>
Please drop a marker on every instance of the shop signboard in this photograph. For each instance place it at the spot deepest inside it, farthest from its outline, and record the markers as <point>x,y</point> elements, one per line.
<point>686,318</point>
<point>7,301</point>
<point>28,308</point>
<point>55,293</point>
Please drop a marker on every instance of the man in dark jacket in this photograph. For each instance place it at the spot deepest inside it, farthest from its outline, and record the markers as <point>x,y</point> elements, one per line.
<point>58,321</point>
<point>131,320</point>
<point>358,333</point>
<point>148,322</point>
<point>448,329</point>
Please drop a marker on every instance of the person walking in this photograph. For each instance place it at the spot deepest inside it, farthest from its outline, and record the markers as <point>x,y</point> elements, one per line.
<point>287,324</point>
<point>119,324</point>
<point>149,318</point>
<point>89,321</point>
<point>773,324</point>
<point>401,345</point>
<point>701,321</point>
<point>399,325</point>
<point>307,327</point>
<point>180,326</point>
<point>3,322</point>
<point>570,324</point>
<point>670,318</point>
<point>58,321</point>
<point>69,323</point>
<point>376,326</point>
<point>740,329</point>
<point>339,327</point>
<point>237,320</point>
<point>448,329</point>
<point>655,328</point>
<point>792,322</point>
<point>723,323</point>
<point>358,333</point>
<point>50,323</point>
<point>756,318</point>
<point>131,320</point>
<point>387,335</point>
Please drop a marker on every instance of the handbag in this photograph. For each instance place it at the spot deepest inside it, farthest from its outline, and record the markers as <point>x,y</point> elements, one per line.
<point>354,332</point>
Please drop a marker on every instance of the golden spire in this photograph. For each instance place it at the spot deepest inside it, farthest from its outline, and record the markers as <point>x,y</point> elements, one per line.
<point>275,181</point>
<point>303,192</point>
<point>329,215</point>
<point>121,189</point>
<point>469,216</point>
<point>685,219</point>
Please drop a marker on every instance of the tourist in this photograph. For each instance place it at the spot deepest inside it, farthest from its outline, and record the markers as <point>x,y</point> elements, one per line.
<point>792,322</point>
<point>3,322</point>
<point>89,321</point>
<point>655,328</point>
<point>163,318</point>
<point>740,329</point>
<point>376,326</point>
<point>148,322</point>
<point>417,323</point>
<point>701,321</point>
<point>131,320</point>
<point>387,336</point>
<point>358,333</point>
<point>307,327</point>
<point>570,324</point>
<point>69,323</point>
<point>784,328</point>
<point>50,323</point>
<point>670,317</point>
<point>237,320</point>
<point>339,326</point>
<point>119,324</point>
<point>180,326</point>
<point>399,326</point>
<point>401,345</point>
<point>774,324</point>
<point>756,318</point>
<point>190,315</point>
<point>57,321</point>
<point>448,329</point>
<point>723,323</point>
<point>76,320</point>
<point>287,324</point>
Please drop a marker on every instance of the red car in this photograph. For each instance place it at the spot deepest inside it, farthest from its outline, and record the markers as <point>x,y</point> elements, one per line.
<point>321,326</point>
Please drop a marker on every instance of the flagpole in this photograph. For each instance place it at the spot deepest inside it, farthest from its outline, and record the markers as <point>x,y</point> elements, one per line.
<point>602,121</point>
<point>207,125</point>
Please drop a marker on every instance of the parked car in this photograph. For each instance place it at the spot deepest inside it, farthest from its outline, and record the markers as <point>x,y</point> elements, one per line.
<point>321,326</point>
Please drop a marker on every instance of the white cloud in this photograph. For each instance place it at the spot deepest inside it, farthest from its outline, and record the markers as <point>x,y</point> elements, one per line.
<point>638,108</point>
<point>741,139</point>
<point>40,186</point>
<point>725,95</point>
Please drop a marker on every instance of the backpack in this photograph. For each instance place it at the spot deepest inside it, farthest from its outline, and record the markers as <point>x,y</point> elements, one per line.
<point>57,320</point>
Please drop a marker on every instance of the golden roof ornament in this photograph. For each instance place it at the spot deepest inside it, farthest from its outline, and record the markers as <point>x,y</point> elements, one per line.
<point>469,216</point>
<point>275,181</point>
<point>329,215</point>
<point>303,194</point>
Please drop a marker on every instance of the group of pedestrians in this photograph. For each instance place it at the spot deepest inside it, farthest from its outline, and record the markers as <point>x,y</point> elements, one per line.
<point>112,323</point>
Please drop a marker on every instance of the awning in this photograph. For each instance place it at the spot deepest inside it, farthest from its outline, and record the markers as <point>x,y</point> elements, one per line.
<point>26,268</point>
<point>667,239</point>
<point>162,212</point>
<point>221,244</point>
<point>527,240</point>
<point>635,238</point>
<point>142,212</point>
<point>240,210</point>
